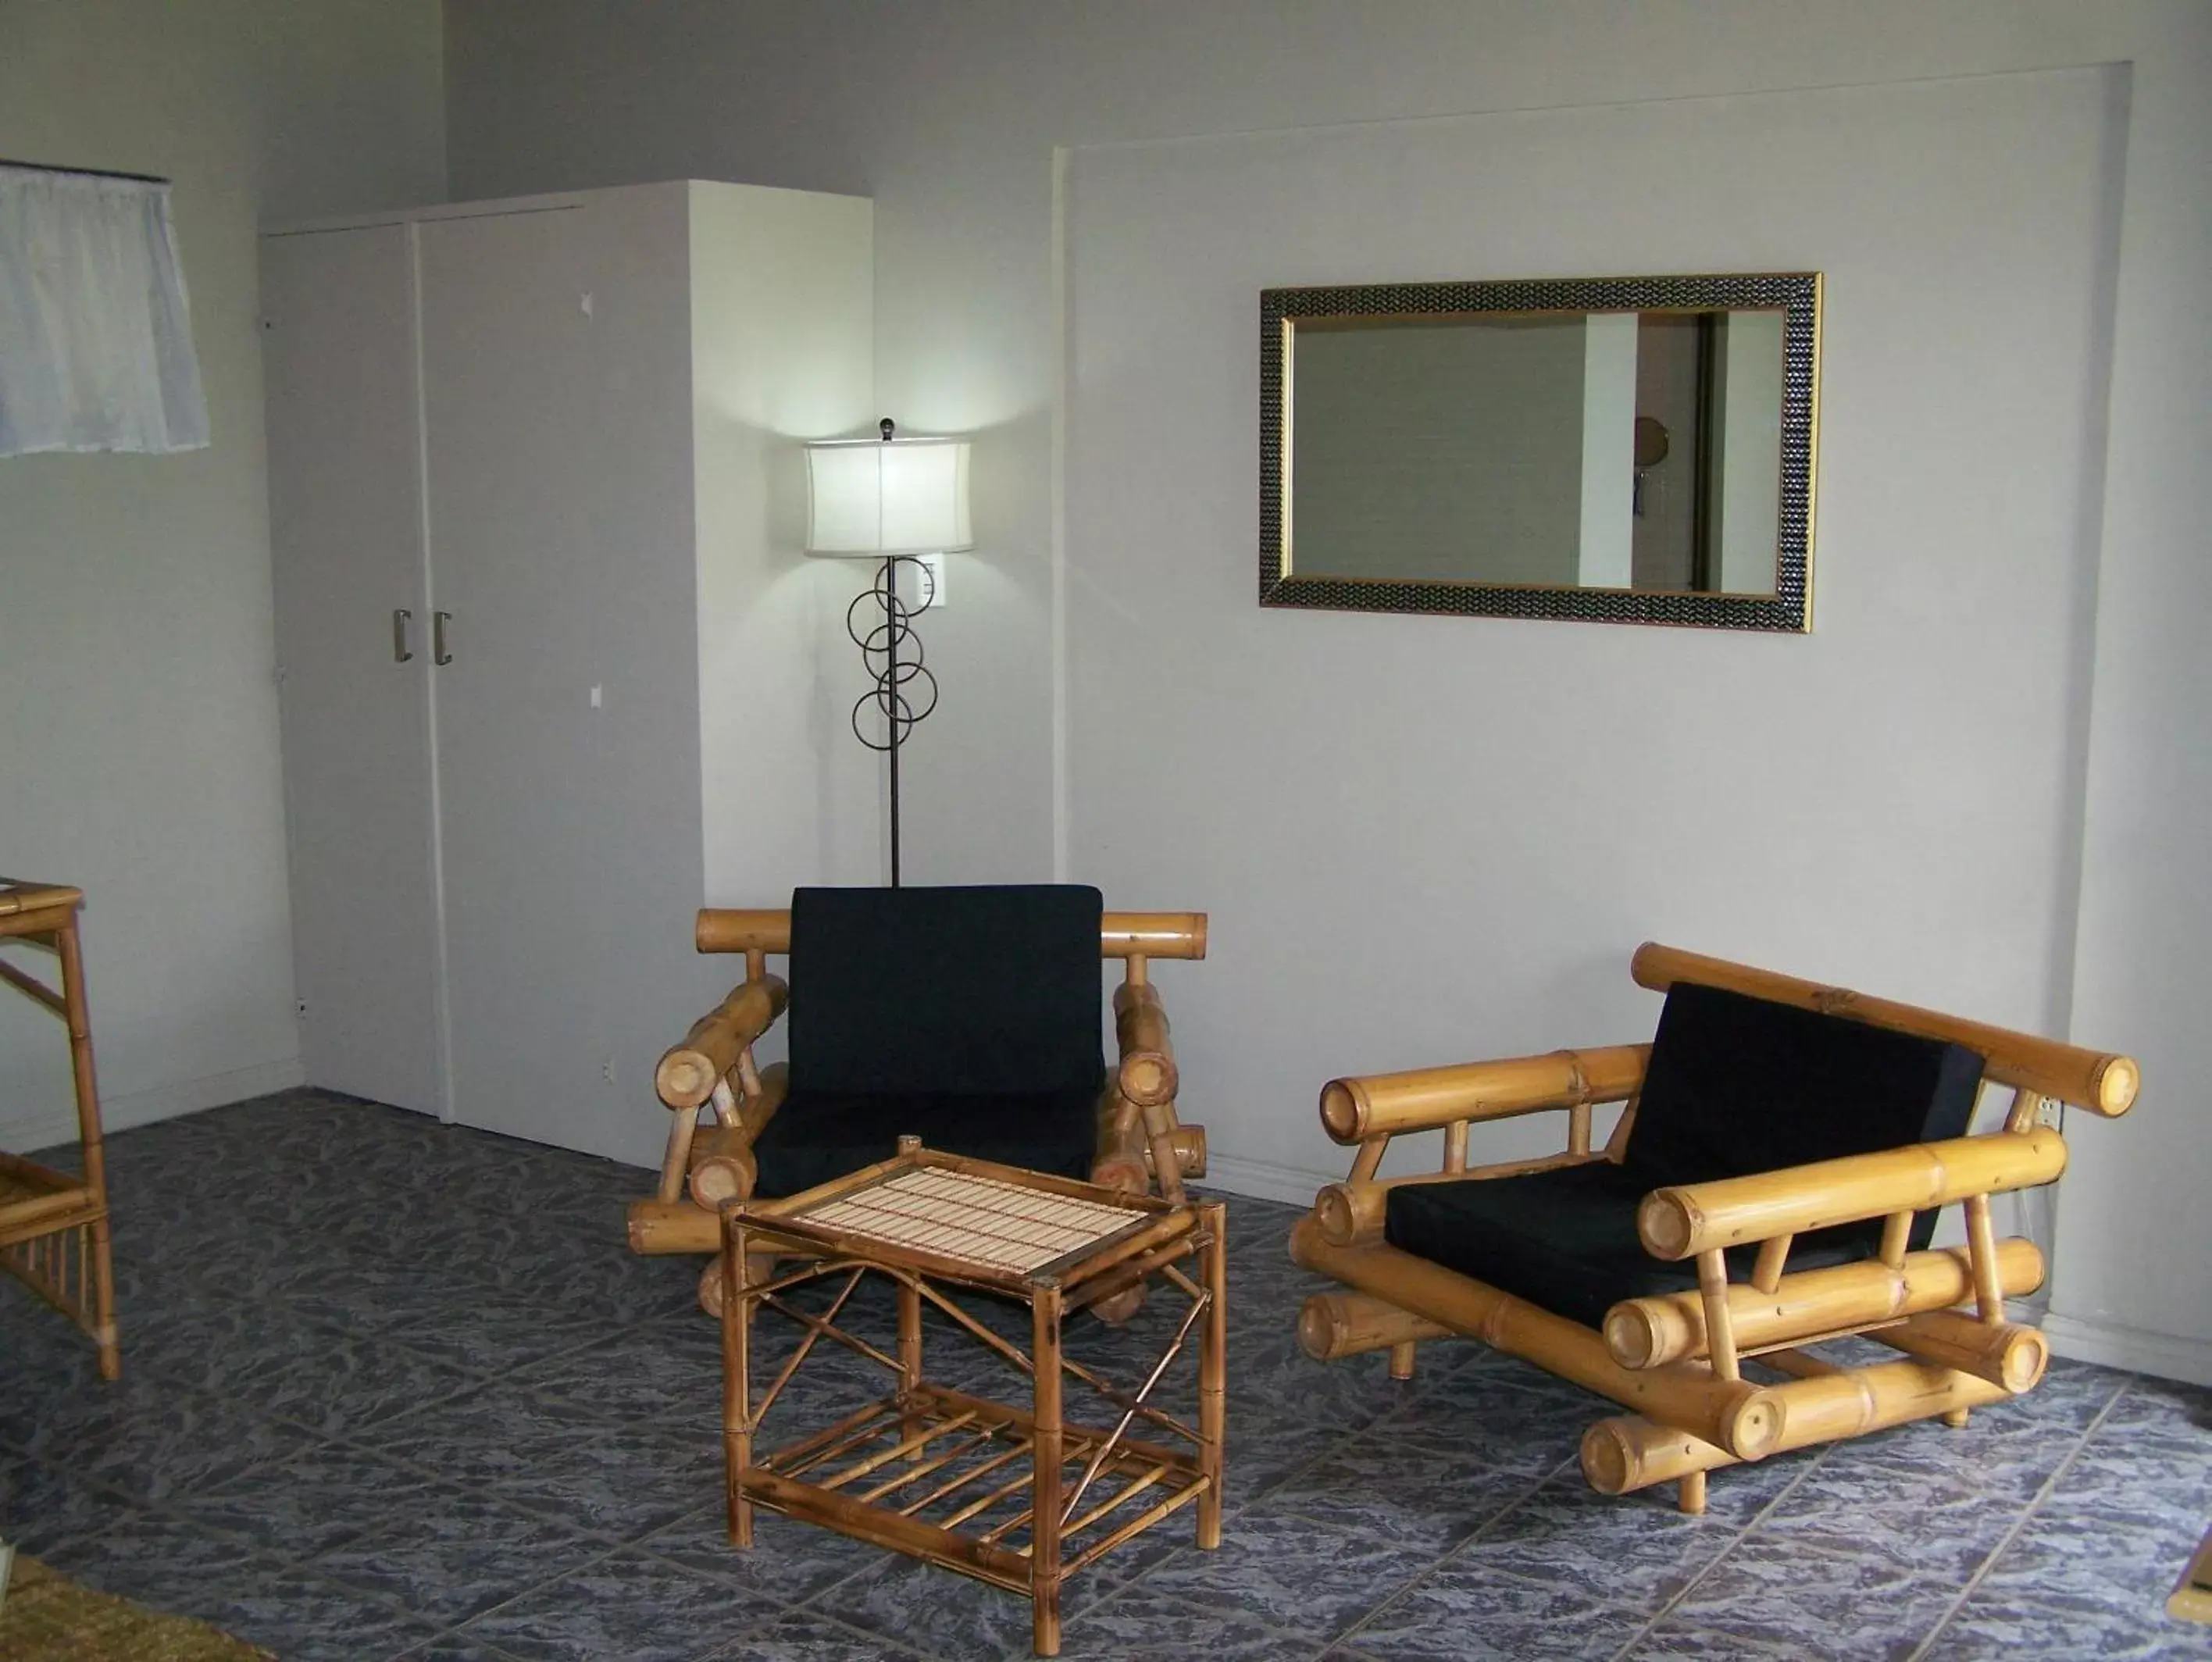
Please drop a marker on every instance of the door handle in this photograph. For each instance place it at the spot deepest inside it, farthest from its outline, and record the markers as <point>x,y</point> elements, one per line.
<point>437,653</point>
<point>401,652</point>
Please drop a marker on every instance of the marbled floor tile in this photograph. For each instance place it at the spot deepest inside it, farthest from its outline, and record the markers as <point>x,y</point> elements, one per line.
<point>788,1561</point>
<point>455,1647</point>
<point>42,1504</point>
<point>1831,1605</point>
<point>1291,1573</point>
<point>459,1305</point>
<point>454,1557</point>
<point>2004,1451</point>
<point>149,1440</point>
<point>1465,1613</point>
<point>668,1367</point>
<point>2147,1475</point>
<point>2013,1625</point>
<point>1666,1642</point>
<point>804,1635</point>
<point>1276,1377</point>
<point>298,1615</point>
<point>1421,1493</point>
<point>1135,1625</point>
<point>1516,1417</point>
<point>602,1475</point>
<point>2125,1557</point>
<point>932,1611</point>
<point>1631,1549</point>
<point>310,1503</point>
<point>1922,1520</point>
<point>625,1604</point>
<point>168,1564</point>
<point>2167,1406</point>
<point>479,1331</point>
<point>350,1383</point>
<point>1262,1451</point>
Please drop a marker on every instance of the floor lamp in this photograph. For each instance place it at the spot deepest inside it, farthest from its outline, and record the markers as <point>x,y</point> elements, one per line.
<point>895,501</point>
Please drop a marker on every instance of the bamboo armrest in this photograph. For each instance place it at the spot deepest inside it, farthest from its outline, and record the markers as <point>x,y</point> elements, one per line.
<point>687,1074</point>
<point>1354,1110</point>
<point>1690,1218</point>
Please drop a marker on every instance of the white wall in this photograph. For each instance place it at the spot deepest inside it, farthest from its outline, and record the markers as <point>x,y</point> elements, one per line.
<point>139,757</point>
<point>949,111</point>
<point>1481,816</point>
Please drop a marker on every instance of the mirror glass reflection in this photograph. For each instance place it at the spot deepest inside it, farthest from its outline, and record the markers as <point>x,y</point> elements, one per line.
<point>1634,450</point>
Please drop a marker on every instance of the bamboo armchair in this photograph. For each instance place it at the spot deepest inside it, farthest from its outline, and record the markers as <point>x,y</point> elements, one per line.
<point>1133,1140</point>
<point>1673,1354</point>
<point>53,1226</point>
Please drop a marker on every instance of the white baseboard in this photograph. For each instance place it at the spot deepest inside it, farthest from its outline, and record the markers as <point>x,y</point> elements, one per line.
<point>1262,1180</point>
<point>119,1112</point>
<point>2169,1356</point>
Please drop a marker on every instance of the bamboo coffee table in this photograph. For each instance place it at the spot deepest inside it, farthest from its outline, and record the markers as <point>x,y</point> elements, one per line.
<point>1013,1495</point>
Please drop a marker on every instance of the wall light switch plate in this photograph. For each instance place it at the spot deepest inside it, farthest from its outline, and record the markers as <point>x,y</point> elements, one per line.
<point>923,585</point>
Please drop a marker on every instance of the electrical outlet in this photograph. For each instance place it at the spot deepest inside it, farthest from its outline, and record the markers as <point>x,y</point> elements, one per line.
<point>2049,1112</point>
<point>607,1070</point>
<point>299,1008</point>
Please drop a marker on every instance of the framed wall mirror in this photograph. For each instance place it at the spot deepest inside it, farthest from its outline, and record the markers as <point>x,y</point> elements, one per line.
<point>1626,450</point>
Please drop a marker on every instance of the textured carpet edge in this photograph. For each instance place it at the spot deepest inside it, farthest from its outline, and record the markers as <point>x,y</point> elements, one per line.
<point>47,1618</point>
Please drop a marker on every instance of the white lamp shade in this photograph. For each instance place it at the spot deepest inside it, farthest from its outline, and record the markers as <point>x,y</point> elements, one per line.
<point>864,496</point>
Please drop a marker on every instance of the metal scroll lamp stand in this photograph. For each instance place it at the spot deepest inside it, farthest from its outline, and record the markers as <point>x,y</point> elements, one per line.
<point>897,501</point>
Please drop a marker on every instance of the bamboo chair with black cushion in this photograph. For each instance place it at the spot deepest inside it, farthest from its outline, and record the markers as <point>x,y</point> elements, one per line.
<point>966,1016</point>
<point>1773,1182</point>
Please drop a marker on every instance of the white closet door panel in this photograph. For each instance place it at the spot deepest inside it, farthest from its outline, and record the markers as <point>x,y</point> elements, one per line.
<point>507,399</point>
<point>345,524</point>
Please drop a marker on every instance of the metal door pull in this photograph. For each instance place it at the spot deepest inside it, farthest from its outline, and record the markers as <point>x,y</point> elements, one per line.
<point>437,653</point>
<point>401,652</point>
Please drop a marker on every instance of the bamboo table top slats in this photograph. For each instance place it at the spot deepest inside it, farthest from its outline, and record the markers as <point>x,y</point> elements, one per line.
<point>982,1222</point>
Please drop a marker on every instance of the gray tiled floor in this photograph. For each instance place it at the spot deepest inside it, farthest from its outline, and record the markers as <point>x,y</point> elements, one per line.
<point>392,1388</point>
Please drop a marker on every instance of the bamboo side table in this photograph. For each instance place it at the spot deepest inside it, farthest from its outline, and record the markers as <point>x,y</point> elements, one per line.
<point>53,1226</point>
<point>1017,1497</point>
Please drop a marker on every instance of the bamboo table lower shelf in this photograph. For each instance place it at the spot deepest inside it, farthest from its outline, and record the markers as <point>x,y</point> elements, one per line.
<point>1014,1495</point>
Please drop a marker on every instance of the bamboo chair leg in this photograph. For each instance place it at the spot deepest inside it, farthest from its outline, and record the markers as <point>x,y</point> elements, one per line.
<point>1045,1489</point>
<point>1401,1360</point>
<point>737,1385</point>
<point>1956,1419</point>
<point>909,1343</point>
<point>1692,1494</point>
<point>87,1086</point>
<point>1213,1376</point>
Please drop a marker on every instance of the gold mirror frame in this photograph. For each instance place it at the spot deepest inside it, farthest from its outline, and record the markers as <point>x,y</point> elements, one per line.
<point>1797,295</point>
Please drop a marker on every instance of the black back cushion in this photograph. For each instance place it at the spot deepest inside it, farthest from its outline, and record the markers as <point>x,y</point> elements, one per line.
<point>1738,1085</point>
<point>970,992</point>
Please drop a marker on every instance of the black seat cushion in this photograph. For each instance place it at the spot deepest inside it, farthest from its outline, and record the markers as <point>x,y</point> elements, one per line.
<point>818,1136</point>
<point>1564,1240</point>
<point>1735,1085</point>
<point>1738,1085</point>
<point>975,991</point>
<point>967,1017</point>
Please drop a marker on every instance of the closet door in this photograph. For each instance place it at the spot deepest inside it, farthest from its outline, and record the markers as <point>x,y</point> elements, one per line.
<point>346,529</point>
<point>506,357</point>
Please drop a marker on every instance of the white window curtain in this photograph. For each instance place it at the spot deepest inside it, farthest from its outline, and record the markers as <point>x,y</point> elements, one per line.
<point>95,334</point>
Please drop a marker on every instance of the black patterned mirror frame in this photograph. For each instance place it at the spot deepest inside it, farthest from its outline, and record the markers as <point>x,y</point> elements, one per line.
<point>1789,608</point>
